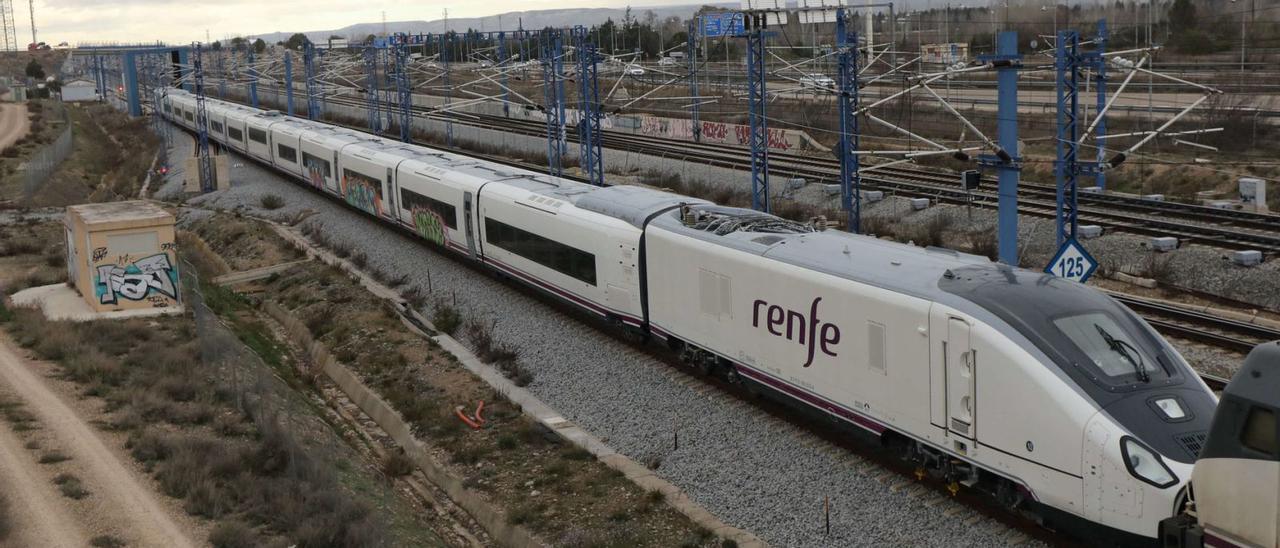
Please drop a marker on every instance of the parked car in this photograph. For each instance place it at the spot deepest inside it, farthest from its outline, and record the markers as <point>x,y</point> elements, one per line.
<point>634,70</point>
<point>818,82</point>
<point>667,62</point>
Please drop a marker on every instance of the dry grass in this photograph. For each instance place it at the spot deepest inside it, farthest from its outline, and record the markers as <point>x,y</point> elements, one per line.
<point>70,486</point>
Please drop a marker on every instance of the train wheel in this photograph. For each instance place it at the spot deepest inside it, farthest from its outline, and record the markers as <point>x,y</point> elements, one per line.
<point>731,375</point>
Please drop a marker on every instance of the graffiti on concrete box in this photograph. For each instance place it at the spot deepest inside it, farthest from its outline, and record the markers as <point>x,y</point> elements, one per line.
<point>152,278</point>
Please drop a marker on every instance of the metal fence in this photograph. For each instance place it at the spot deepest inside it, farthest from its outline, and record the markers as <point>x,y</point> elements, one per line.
<point>46,160</point>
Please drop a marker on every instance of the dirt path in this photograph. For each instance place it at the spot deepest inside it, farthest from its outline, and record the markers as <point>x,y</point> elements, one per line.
<point>34,512</point>
<point>119,503</point>
<point>14,124</point>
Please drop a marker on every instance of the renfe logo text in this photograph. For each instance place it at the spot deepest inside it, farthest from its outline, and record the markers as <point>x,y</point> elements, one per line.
<point>810,332</point>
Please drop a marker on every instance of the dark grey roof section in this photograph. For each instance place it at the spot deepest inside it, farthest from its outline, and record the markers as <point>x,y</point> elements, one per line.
<point>1258,380</point>
<point>633,204</point>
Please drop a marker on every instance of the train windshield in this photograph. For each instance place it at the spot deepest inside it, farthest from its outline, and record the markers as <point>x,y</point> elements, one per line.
<point>1110,351</point>
<point>1087,334</point>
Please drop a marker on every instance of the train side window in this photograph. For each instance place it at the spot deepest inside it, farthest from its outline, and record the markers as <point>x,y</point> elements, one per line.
<point>258,136</point>
<point>1259,432</point>
<point>314,163</point>
<point>216,127</point>
<point>412,201</point>
<point>287,153</point>
<point>235,134</point>
<point>187,114</point>
<point>567,260</point>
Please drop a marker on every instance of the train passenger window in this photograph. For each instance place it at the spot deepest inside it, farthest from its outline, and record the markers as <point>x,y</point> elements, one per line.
<point>287,153</point>
<point>235,133</point>
<point>168,109</point>
<point>1259,431</point>
<point>258,136</point>
<point>415,202</point>
<point>317,165</point>
<point>188,116</point>
<point>544,251</point>
<point>215,127</point>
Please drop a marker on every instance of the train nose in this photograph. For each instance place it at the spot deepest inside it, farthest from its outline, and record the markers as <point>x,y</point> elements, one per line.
<point>1127,485</point>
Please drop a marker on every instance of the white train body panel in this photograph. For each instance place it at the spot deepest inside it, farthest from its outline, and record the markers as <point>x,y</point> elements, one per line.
<point>365,175</point>
<point>595,257</point>
<point>319,155</point>
<point>956,355</point>
<point>286,149</point>
<point>438,198</point>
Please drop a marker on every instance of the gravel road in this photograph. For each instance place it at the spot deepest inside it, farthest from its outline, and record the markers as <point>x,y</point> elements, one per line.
<point>752,470</point>
<point>119,502</point>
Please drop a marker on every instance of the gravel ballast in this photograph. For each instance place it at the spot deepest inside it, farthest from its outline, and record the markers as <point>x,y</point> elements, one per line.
<point>754,471</point>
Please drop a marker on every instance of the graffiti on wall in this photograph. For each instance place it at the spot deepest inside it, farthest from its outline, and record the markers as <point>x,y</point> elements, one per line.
<point>718,132</point>
<point>151,278</point>
<point>430,225</point>
<point>362,191</point>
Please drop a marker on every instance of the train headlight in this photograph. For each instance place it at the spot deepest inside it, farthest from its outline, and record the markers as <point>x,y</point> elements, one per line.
<point>1145,464</point>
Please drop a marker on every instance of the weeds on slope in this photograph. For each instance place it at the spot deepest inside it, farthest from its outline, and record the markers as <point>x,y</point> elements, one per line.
<point>221,446</point>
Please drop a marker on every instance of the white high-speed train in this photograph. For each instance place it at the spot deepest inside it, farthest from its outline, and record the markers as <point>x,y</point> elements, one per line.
<point>1045,393</point>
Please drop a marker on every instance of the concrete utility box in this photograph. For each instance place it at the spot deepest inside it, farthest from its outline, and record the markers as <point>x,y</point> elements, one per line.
<point>872,196</point>
<point>1088,231</point>
<point>1164,243</point>
<point>79,90</point>
<point>1153,197</point>
<point>1253,193</point>
<point>122,256</point>
<point>1249,257</point>
<point>919,203</point>
<point>221,172</point>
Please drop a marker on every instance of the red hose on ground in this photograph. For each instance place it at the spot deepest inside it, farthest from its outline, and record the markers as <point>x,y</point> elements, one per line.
<point>480,408</point>
<point>458,411</point>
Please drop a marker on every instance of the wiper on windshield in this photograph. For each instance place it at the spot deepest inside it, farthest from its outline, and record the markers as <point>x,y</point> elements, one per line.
<point>1123,348</point>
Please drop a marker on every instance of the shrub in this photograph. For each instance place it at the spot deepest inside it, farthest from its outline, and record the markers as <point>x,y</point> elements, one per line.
<point>447,319</point>
<point>6,526</point>
<point>396,464</point>
<point>359,259</point>
<point>232,534</point>
<point>70,486</point>
<point>271,201</point>
<point>53,457</point>
<point>107,541</point>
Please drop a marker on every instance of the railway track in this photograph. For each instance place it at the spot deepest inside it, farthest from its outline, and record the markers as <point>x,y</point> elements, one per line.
<point>1224,333</point>
<point>1192,223</point>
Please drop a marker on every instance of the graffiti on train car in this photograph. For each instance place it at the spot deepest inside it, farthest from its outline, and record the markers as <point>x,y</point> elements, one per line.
<point>430,225</point>
<point>362,191</point>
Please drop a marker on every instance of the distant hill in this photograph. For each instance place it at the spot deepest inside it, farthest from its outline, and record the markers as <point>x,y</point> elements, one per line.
<point>529,20</point>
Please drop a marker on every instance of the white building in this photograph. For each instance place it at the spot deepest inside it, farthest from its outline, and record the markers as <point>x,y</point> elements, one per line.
<point>79,90</point>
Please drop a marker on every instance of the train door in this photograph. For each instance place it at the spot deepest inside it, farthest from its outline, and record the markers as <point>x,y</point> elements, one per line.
<point>961,386</point>
<point>467,220</point>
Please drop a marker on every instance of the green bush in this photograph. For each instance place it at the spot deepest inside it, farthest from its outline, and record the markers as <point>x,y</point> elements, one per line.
<point>271,201</point>
<point>233,534</point>
<point>446,319</point>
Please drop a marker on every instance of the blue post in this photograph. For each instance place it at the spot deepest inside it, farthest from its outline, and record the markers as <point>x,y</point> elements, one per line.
<point>759,126</point>
<point>371,89</point>
<point>695,122</point>
<point>207,181</point>
<point>1007,62</point>
<point>184,64</point>
<point>502,66</point>
<point>553,102</point>
<point>222,73</point>
<point>1066,169</point>
<point>1100,129</point>
<point>313,89</point>
<point>589,134</point>
<point>405,92</point>
<point>253,77</point>
<point>446,49</point>
<point>131,84</point>
<point>850,182</point>
<point>288,81</point>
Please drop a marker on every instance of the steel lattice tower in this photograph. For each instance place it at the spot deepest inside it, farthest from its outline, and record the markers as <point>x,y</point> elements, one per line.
<point>6,20</point>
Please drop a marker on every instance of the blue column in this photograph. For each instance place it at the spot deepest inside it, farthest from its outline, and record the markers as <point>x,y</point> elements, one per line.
<point>850,182</point>
<point>695,116</point>
<point>1100,130</point>
<point>502,66</point>
<point>1067,167</point>
<point>184,62</point>
<point>131,83</point>
<point>253,78</point>
<point>1007,135</point>
<point>756,91</point>
<point>288,82</point>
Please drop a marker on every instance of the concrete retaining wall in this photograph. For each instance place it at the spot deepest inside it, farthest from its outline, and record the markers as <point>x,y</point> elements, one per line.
<point>493,520</point>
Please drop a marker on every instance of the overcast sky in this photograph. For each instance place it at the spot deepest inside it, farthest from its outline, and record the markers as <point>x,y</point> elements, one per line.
<point>180,21</point>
